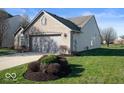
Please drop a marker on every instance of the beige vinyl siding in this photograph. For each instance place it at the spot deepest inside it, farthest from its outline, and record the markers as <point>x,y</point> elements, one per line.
<point>51,26</point>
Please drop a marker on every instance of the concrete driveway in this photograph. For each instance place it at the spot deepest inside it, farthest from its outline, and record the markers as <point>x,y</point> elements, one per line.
<point>12,60</point>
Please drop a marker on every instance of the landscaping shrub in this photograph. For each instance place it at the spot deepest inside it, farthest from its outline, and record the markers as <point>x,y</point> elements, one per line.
<point>47,68</point>
<point>63,49</point>
<point>63,61</point>
<point>34,66</point>
<point>53,68</point>
<point>49,59</point>
<point>43,67</point>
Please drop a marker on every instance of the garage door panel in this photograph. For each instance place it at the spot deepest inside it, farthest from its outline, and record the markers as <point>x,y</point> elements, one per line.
<point>46,44</point>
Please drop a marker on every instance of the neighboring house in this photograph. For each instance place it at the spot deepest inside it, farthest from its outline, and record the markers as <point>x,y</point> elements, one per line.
<point>49,33</point>
<point>10,24</point>
<point>118,41</point>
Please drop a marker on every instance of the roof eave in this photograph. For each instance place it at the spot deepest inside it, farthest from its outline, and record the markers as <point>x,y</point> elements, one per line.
<point>77,31</point>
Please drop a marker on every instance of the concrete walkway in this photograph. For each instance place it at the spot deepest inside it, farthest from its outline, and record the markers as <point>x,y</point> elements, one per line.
<point>18,59</point>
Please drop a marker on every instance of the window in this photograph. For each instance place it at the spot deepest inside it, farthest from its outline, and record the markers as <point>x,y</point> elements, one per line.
<point>22,39</point>
<point>43,21</point>
<point>91,42</point>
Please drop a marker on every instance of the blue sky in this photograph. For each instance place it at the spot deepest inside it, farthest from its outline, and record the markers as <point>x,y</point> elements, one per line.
<point>106,17</point>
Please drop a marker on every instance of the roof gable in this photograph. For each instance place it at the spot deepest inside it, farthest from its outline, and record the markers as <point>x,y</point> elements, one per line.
<point>34,20</point>
<point>74,24</point>
<point>81,20</point>
<point>66,22</point>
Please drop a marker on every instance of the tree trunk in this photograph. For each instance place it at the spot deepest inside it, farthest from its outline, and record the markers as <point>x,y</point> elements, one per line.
<point>0,44</point>
<point>107,44</point>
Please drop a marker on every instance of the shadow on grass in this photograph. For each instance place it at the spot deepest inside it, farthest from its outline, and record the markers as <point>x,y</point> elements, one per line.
<point>102,52</point>
<point>75,70</point>
<point>2,53</point>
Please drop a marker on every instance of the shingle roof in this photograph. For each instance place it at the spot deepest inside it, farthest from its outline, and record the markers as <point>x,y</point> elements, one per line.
<point>66,22</point>
<point>80,21</point>
<point>73,23</point>
<point>4,14</point>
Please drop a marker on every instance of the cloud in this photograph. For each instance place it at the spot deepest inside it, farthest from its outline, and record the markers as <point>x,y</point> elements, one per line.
<point>109,18</point>
<point>105,14</point>
<point>22,11</point>
<point>31,13</point>
<point>87,13</point>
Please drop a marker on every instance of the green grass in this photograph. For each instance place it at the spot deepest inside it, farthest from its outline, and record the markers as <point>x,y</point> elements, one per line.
<point>103,65</point>
<point>6,51</point>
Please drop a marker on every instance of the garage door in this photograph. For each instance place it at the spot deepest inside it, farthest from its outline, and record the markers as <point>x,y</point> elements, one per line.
<point>46,44</point>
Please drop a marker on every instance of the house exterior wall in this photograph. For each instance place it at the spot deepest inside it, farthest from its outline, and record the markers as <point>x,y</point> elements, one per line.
<point>51,26</point>
<point>88,38</point>
<point>17,40</point>
<point>13,24</point>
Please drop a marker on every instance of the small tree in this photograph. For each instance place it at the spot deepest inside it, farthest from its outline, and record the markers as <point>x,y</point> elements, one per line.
<point>63,49</point>
<point>108,35</point>
<point>26,20</point>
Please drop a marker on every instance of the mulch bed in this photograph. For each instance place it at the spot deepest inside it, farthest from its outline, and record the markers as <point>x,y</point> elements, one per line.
<point>37,71</point>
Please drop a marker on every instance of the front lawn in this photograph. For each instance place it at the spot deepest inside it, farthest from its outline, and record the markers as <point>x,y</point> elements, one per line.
<point>103,65</point>
<point>6,51</point>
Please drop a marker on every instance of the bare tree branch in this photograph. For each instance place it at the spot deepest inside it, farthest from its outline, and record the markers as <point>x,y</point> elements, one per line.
<point>26,20</point>
<point>108,35</point>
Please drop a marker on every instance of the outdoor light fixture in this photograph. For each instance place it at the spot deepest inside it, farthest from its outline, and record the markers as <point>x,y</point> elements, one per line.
<point>65,35</point>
